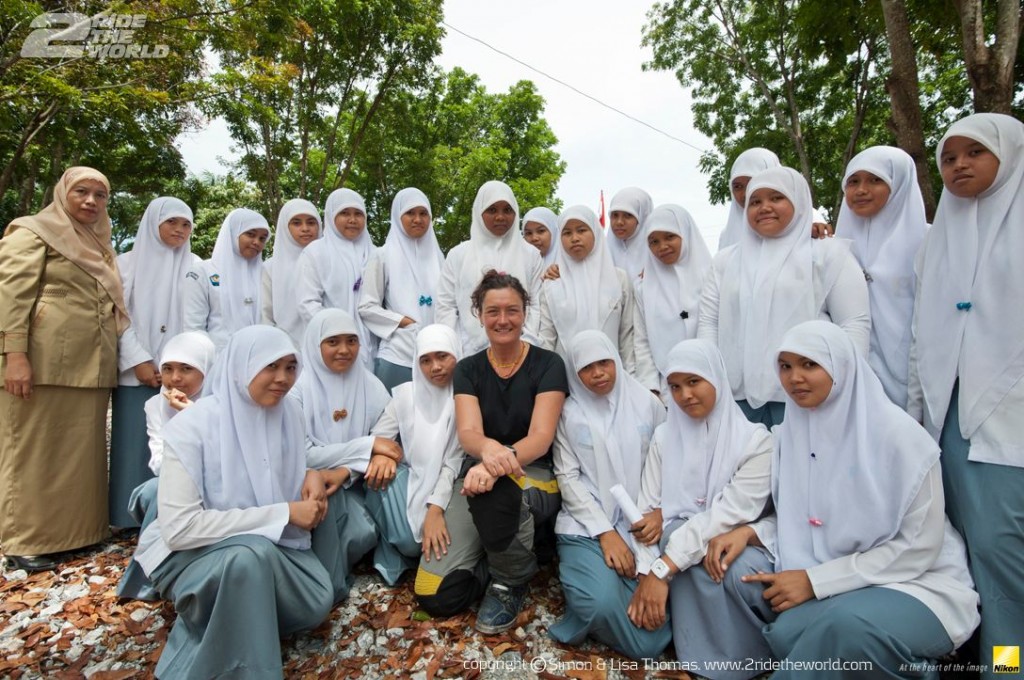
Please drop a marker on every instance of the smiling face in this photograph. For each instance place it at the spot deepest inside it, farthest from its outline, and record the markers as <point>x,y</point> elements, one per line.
<point>968,167</point>
<point>599,376</point>
<point>623,224</point>
<point>693,394</point>
<point>252,242</point>
<point>272,383</point>
<point>87,200</point>
<point>666,246</point>
<point>339,352</point>
<point>577,239</point>
<point>416,221</point>
<point>769,212</point>
<point>304,229</point>
<point>805,381</point>
<point>438,367</point>
<point>181,376</point>
<point>499,217</point>
<point>350,223</point>
<point>866,193</point>
<point>538,236</point>
<point>175,231</point>
<point>503,314</point>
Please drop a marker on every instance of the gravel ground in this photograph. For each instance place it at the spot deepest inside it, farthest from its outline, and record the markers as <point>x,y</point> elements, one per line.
<point>70,624</point>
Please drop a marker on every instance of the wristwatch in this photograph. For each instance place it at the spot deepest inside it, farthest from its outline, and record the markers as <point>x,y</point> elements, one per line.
<point>512,449</point>
<point>660,569</point>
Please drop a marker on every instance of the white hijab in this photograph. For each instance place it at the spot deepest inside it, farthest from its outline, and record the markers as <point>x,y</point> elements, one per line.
<point>843,473</point>
<point>609,434</point>
<point>972,254</point>
<point>747,164</point>
<point>240,454</point>
<point>629,254</point>
<point>426,423</point>
<point>767,288</point>
<point>194,348</point>
<point>240,279</point>
<point>284,263</point>
<point>413,265</point>
<point>549,219</point>
<point>509,253</point>
<point>339,261</point>
<point>587,291</point>
<point>324,393</point>
<point>155,306</point>
<point>669,290</point>
<point>700,457</point>
<point>885,245</point>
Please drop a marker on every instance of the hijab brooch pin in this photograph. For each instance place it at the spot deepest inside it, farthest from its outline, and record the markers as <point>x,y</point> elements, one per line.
<point>426,300</point>
<point>339,414</point>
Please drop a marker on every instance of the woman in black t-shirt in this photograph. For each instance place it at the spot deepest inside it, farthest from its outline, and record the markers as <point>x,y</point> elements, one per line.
<point>508,399</point>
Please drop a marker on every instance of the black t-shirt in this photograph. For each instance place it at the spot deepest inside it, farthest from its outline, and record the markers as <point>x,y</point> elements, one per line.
<point>506,404</point>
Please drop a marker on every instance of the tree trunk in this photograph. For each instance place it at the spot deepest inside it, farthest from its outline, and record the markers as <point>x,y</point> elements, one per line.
<point>905,97</point>
<point>990,69</point>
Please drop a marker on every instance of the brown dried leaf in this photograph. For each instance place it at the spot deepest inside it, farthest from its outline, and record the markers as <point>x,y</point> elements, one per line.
<point>498,650</point>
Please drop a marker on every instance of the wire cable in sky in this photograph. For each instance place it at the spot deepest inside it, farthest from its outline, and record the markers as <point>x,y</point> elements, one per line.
<point>574,89</point>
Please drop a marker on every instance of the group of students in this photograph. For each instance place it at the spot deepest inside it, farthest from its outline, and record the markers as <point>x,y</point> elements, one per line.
<point>729,449</point>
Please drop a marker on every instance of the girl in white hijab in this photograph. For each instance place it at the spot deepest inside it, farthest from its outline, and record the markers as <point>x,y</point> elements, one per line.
<point>494,243</point>
<point>865,566</point>
<point>184,364</point>
<point>341,400</point>
<point>224,294</point>
<point>298,225</point>
<point>668,295</point>
<point>747,164</point>
<point>883,215</point>
<point>967,362</point>
<point>540,227</point>
<point>591,293</point>
<point>231,544</point>
<point>708,471</point>
<point>410,512</point>
<point>627,211</point>
<point>601,441</point>
<point>399,286</point>
<point>775,278</point>
<point>331,268</point>
<point>152,274</point>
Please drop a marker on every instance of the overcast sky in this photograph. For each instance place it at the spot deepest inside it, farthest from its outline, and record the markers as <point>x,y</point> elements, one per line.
<point>594,45</point>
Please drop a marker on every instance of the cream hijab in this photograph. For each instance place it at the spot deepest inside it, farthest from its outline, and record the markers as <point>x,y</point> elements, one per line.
<point>156,305</point>
<point>412,265</point>
<point>284,267</point>
<point>629,255</point>
<point>843,473</point>
<point>747,164</point>
<point>699,458</point>
<point>608,434</point>
<point>426,423</point>
<point>587,291</point>
<point>549,219</point>
<point>240,454</point>
<point>326,394</point>
<point>240,279</point>
<point>667,291</point>
<point>88,246</point>
<point>885,245</point>
<point>972,255</point>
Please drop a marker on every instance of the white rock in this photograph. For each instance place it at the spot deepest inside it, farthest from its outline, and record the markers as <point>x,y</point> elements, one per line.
<point>365,639</point>
<point>97,579</point>
<point>52,610</point>
<point>94,636</point>
<point>139,615</point>
<point>74,592</point>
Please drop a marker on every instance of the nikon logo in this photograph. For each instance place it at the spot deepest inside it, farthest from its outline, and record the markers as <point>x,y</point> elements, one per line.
<point>1006,659</point>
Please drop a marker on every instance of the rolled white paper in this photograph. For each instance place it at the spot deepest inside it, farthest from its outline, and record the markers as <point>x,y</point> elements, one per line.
<point>645,554</point>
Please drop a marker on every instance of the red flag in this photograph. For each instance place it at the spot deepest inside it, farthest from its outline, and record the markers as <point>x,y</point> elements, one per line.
<point>601,219</point>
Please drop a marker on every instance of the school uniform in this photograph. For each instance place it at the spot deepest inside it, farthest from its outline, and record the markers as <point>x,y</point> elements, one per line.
<point>630,254</point>
<point>747,164</point>
<point>761,287</point>
<point>222,548</point>
<point>601,441</point>
<point>549,219</point>
<point>966,370</point>
<point>280,272</point>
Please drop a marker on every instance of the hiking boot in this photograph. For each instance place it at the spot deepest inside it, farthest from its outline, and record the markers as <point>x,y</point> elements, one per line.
<point>500,607</point>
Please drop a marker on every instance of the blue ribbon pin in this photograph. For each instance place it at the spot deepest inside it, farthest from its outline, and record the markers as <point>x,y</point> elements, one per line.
<point>426,300</point>
<point>963,306</point>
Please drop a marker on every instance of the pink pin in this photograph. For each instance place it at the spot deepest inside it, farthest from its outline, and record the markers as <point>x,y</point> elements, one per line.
<point>815,522</point>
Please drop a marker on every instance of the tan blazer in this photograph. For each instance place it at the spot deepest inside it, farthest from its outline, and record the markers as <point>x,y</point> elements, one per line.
<point>56,312</point>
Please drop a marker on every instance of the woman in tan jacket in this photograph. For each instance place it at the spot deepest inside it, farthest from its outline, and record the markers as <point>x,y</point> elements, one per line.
<point>62,312</point>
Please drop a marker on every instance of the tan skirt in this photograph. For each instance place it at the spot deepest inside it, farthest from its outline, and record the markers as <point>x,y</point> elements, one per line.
<point>53,470</point>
